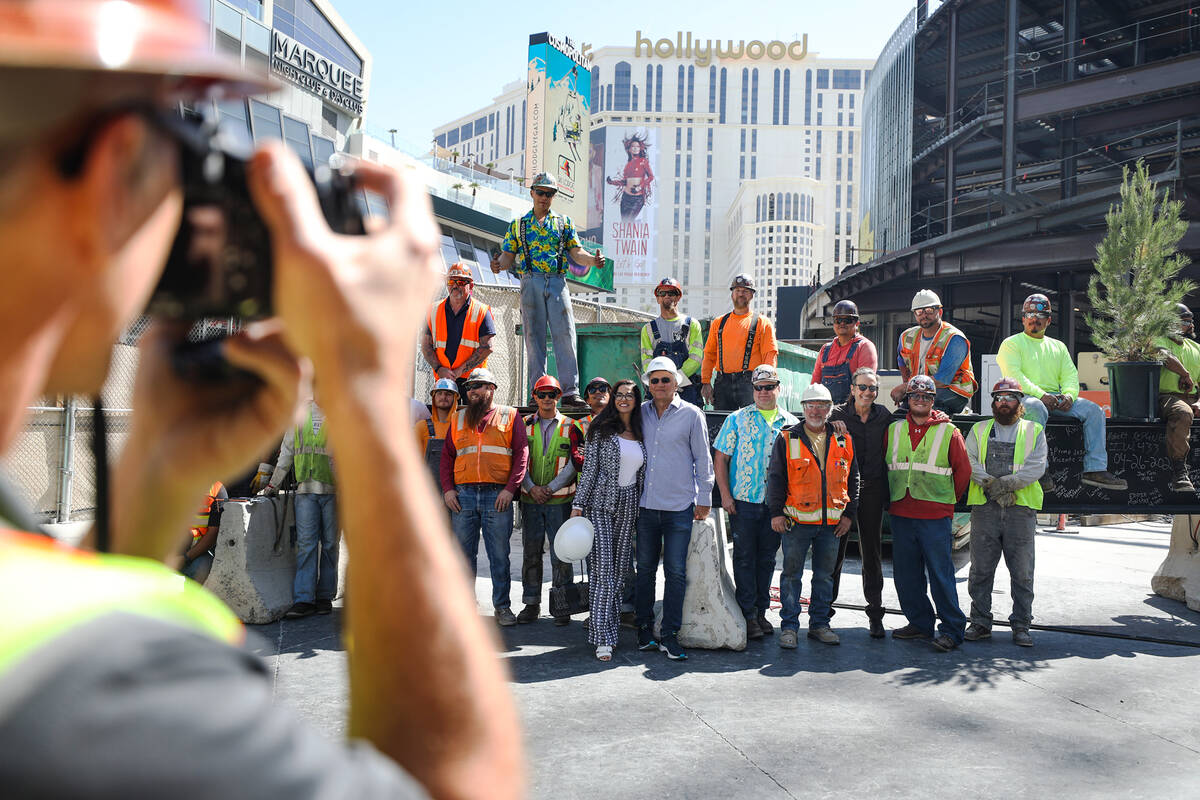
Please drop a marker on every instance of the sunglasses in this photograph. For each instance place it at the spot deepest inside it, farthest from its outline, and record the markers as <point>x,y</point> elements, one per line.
<point>766,387</point>
<point>845,320</point>
<point>624,396</point>
<point>667,294</point>
<point>545,395</point>
<point>928,310</point>
<point>1012,398</point>
<point>544,192</point>
<point>1035,315</point>
<point>597,390</point>
<point>657,381</point>
<point>458,282</point>
<point>921,396</point>
<point>866,387</point>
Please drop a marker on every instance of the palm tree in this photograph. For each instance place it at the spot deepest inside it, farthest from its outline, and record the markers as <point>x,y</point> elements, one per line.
<point>454,155</point>
<point>456,188</point>
<point>474,187</point>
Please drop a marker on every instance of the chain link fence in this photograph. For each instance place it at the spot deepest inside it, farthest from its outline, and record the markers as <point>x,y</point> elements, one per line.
<point>51,463</point>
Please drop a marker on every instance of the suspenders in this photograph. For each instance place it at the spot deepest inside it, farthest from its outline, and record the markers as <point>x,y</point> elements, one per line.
<point>749,342</point>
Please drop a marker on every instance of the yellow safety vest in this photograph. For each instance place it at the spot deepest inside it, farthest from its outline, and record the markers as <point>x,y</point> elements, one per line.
<point>1027,433</point>
<point>924,473</point>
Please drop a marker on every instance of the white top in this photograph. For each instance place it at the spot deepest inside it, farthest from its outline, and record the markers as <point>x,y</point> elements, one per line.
<point>631,461</point>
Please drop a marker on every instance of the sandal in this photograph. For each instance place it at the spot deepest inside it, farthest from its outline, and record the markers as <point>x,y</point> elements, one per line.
<point>604,652</point>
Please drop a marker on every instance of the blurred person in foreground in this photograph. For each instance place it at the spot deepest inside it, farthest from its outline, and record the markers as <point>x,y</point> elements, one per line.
<point>109,662</point>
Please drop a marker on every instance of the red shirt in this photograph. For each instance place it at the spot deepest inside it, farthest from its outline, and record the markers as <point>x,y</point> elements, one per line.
<point>909,506</point>
<point>864,356</point>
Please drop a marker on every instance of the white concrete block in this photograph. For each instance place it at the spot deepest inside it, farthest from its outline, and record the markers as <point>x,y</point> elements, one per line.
<point>711,616</point>
<point>1178,577</point>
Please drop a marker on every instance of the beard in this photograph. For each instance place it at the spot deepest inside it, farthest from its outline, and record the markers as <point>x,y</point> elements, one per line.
<point>476,408</point>
<point>1007,417</point>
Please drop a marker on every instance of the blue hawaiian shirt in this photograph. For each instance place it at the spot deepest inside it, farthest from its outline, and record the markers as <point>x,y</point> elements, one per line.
<point>747,438</point>
<point>545,243</point>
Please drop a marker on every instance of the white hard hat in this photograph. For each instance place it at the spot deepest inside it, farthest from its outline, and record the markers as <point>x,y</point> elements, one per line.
<point>662,364</point>
<point>573,540</point>
<point>926,298</point>
<point>817,392</point>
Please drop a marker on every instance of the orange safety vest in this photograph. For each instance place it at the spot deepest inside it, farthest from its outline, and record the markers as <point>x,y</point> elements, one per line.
<point>483,456</point>
<point>201,522</point>
<point>816,496</point>
<point>964,382</point>
<point>469,343</point>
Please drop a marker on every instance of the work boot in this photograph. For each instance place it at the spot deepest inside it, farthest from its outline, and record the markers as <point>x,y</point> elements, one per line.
<point>943,643</point>
<point>561,621</point>
<point>324,606</point>
<point>787,639</point>
<point>300,610</point>
<point>910,631</point>
<point>765,625</point>
<point>529,613</point>
<point>505,618</point>
<point>877,631</point>
<point>753,631</point>
<point>573,402</point>
<point>1021,638</point>
<point>1180,482</point>
<point>1104,480</point>
<point>824,635</point>
<point>975,632</point>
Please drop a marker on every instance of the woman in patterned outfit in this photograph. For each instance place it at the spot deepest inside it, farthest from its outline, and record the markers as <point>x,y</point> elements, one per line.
<point>614,464</point>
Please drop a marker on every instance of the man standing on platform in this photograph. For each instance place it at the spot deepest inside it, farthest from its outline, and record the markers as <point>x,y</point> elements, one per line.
<point>1043,368</point>
<point>849,351</point>
<point>812,492</point>
<point>935,348</point>
<point>676,336</point>
<point>928,470</point>
<point>1008,455</point>
<point>483,464</point>
<point>745,440</point>
<point>459,330</point>
<point>735,341</point>
<point>546,493</point>
<point>539,244</point>
<point>676,492</point>
<point>1177,396</point>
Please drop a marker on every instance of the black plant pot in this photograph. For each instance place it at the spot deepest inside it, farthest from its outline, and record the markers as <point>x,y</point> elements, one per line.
<point>1133,386</point>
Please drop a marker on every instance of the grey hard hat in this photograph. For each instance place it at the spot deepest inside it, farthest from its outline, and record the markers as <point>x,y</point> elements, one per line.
<point>480,375</point>
<point>742,281</point>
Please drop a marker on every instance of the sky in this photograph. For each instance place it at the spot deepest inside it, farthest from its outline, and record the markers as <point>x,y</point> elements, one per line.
<point>435,61</point>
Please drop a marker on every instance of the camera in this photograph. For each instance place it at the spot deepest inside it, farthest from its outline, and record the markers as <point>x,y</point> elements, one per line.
<point>220,264</point>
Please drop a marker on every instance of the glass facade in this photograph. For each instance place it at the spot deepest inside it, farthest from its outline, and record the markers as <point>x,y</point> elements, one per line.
<point>305,23</point>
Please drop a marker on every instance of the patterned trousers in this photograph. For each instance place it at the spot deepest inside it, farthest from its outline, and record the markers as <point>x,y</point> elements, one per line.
<point>611,553</point>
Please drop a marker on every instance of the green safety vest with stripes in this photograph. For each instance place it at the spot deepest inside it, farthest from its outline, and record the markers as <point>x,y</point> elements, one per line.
<point>311,460</point>
<point>1027,434</point>
<point>924,473</point>
<point>60,589</point>
<point>545,464</point>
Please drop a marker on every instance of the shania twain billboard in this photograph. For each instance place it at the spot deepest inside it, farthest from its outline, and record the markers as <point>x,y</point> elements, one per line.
<point>630,202</point>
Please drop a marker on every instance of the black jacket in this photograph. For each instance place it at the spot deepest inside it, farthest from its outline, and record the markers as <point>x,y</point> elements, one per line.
<point>777,478</point>
<point>870,438</point>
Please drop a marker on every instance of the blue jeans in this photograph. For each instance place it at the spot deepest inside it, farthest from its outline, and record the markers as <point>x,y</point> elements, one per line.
<point>796,543</point>
<point>921,548</point>
<point>316,526</point>
<point>478,502</point>
<point>1095,454</point>
<point>546,301</point>
<point>666,534</point>
<point>754,549</point>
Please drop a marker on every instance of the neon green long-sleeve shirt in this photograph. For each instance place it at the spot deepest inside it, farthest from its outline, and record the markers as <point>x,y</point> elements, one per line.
<point>1041,366</point>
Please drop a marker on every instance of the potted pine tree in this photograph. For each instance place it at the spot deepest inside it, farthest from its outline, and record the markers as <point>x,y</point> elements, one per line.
<point>1135,290</point>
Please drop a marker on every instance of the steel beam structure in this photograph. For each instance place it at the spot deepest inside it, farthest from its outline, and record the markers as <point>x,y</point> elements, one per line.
<point>1009,145</point>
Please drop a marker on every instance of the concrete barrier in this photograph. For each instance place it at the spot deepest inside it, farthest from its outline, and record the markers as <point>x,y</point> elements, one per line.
<point>1178,577</point>
<point>711,616</point>
<point>255,559</point>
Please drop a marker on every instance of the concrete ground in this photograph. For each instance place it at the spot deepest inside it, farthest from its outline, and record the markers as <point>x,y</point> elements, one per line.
<point>1075,716</point>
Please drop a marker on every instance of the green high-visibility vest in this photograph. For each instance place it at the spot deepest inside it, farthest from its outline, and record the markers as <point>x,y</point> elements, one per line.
<point>312,461</point>
<point>1027,433</point>
<point>924,473</point>
<point>543,466</point>
<point>60,588</point>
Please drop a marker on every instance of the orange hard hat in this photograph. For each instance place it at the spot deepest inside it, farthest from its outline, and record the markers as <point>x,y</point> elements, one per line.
<point>460,271</point>
<point>547,382</point>
<point>165,41</point>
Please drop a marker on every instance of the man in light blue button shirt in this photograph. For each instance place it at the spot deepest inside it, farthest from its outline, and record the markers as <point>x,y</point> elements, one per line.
<point>677,490</point>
